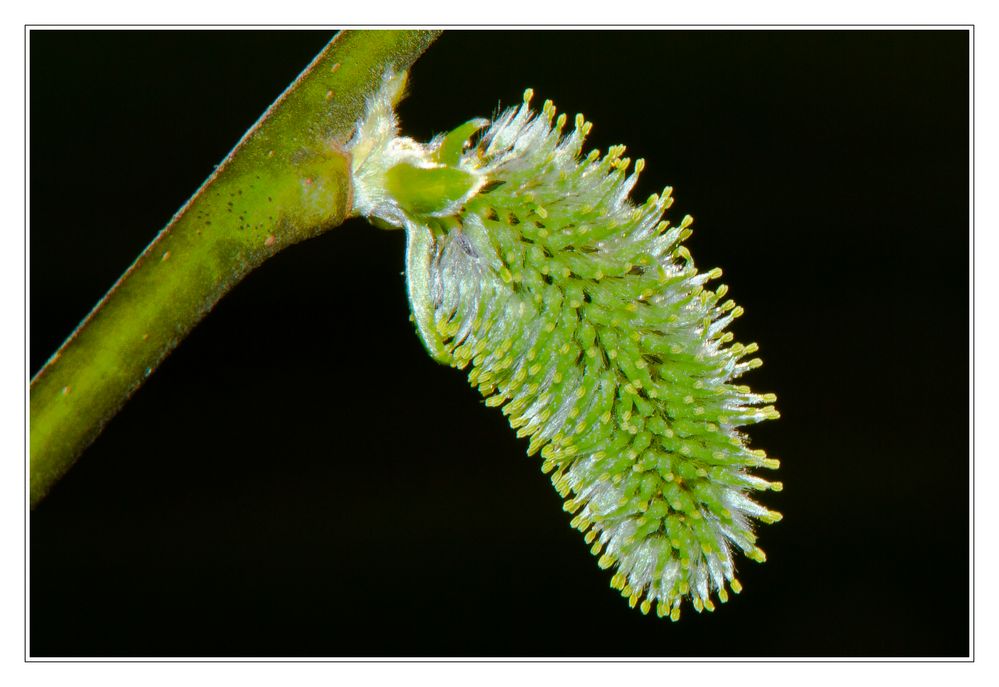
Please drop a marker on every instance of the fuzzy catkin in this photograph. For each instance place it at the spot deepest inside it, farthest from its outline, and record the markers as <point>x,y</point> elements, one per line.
<point>582,317</point>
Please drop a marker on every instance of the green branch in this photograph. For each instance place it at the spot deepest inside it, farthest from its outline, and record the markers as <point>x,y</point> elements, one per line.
<point>287,180</point>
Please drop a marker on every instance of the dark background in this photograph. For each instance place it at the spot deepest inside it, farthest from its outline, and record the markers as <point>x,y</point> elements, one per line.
<point>300,479</point>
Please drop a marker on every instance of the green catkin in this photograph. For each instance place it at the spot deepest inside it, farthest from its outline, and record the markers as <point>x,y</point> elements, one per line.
<point>583,318</point>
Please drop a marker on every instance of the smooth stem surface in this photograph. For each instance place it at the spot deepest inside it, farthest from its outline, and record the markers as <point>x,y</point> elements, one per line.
<point>287,180</point>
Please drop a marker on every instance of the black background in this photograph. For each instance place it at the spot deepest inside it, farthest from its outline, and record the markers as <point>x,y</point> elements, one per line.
<point>300,479</point>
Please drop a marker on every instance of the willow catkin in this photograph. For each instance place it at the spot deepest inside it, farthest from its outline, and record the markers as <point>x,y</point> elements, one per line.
<point>582,317</point>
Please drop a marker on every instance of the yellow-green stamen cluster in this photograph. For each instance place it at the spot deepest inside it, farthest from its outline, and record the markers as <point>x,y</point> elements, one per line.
<point>583,318</point>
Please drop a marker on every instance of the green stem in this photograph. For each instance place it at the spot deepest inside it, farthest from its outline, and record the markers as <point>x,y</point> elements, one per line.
<point>287,180</point>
